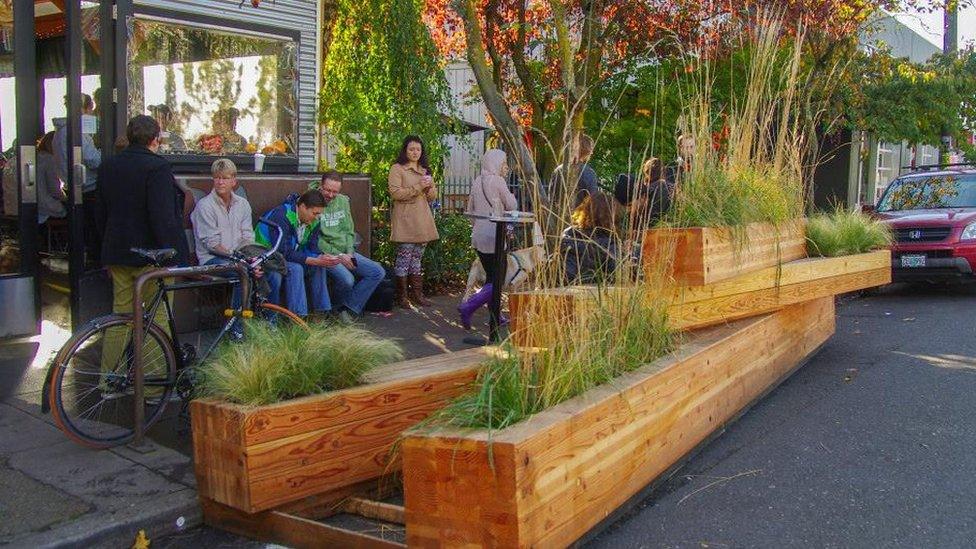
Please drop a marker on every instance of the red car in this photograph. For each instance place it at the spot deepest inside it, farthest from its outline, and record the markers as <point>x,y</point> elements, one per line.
<point>933,217</point>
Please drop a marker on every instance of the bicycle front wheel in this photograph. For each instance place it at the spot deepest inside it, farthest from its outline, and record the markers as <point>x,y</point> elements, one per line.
<point>92,383</point>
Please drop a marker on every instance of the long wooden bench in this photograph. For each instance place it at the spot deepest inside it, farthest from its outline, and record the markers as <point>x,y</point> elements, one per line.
<point>548,480</point>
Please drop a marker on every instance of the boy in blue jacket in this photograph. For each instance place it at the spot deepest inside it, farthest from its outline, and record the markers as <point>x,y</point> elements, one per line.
<point>298,220</point>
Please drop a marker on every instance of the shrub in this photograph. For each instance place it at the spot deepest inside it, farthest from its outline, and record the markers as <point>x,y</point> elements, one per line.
<point>446,261</point>
<point>278,363</point>
<point>845,233</point>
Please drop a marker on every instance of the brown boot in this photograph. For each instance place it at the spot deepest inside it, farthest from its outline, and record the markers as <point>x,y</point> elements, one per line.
<point>400,295</point>
<point>417,291</point>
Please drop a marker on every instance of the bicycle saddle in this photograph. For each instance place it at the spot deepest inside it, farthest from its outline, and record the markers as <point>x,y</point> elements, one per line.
<point>156,257</point>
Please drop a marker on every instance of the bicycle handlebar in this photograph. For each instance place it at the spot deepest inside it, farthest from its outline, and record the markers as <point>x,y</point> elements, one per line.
<point>260,259</point>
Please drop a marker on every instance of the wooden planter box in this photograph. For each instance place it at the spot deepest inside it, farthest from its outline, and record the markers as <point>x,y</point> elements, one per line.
<point>548,480</point>
<point>703,255</point>
<point>256,458</point>
<point>693,307</point>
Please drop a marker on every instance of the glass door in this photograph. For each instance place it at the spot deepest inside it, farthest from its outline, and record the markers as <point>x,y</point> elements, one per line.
<point>87,87</point>
<point>20,304</point>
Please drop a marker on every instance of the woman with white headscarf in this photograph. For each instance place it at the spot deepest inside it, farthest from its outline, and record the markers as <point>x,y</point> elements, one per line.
<point>489,196</point>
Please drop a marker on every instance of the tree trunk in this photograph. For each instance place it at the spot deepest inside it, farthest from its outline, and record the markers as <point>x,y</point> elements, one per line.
<point>505,123</point>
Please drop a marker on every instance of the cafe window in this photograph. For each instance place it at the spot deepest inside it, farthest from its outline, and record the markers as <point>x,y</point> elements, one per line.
<point>214,91</point>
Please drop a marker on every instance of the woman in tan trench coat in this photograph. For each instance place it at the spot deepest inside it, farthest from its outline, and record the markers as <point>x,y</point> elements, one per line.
<point>412,189</point>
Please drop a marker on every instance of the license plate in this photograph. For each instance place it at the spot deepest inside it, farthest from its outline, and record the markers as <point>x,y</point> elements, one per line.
<point>913,261</point>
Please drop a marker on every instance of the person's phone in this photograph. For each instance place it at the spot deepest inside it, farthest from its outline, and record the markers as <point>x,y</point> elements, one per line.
<point>354,262</point>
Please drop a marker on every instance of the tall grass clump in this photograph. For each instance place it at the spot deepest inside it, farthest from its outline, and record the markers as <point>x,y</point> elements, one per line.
<point>748,164</point>
<point>276,363</point>
<point>620,332</point>
<point>845,232</point>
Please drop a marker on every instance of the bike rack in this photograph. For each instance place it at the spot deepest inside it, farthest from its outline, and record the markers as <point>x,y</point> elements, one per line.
<point>138,324</point>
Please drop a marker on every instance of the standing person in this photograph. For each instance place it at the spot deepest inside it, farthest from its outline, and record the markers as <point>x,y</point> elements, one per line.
<point>50,194</point>
<point>142,208</point>
<point>355,277</point>
<point>91,157</point>
<point>412,189</point>
<point>489,196</point>
<point>587,183</point>
<point>682,164</point>
<point>221,224</point>
<point>298,220</point>
<point>648,198</point>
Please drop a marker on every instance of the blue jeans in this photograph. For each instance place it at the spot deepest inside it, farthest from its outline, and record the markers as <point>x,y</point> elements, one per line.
<point>294,284</point>
<point>235,299</point>
<point>353,293</point>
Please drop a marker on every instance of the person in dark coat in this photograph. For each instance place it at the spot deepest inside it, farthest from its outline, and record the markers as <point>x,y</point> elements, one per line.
<point>589,247</point>
<point>142,207</point>
<point>647,199</point>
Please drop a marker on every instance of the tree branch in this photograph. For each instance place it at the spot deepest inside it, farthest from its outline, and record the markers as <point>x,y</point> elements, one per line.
<point>497,106</point>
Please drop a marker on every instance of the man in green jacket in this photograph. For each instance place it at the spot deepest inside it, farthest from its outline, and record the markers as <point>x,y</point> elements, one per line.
<point>356,276</point>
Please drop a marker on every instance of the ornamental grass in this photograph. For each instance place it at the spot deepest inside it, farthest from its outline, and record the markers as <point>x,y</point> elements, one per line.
<point>749,160</point>
<point>621,332</point>
<point>845,232</point>
<point>275,363</point>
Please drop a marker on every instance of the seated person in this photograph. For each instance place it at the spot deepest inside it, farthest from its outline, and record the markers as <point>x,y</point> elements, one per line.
<point>222,223</point>
<point>589,247</point>
<point>355,277</point>
<point>170,141</point>
<point>298,219</point>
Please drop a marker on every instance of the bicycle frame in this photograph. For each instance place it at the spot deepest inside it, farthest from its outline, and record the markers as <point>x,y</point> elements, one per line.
<point>138,325</point>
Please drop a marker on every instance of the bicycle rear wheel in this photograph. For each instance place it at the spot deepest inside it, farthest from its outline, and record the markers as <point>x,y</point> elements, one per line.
<point>92,384</point>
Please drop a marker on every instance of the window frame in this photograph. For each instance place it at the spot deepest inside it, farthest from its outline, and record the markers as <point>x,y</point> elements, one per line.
<point>191,163</point>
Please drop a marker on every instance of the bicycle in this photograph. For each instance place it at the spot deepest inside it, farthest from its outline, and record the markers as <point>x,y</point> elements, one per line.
<point>90,383</point>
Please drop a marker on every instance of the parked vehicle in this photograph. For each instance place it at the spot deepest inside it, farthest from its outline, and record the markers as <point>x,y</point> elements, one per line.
<point>932,214</point>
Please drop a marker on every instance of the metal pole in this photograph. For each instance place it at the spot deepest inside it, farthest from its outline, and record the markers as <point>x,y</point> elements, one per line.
<point>950,47</point>
<point>75,173</point>
<point>497,282</point>
<point>138,328</point>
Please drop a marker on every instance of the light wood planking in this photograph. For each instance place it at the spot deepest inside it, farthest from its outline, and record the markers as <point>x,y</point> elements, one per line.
<point>694,307</point>
<point>263,457</point>
<point>289,529</point>
<point>547,481</point>
<point>704,255</point>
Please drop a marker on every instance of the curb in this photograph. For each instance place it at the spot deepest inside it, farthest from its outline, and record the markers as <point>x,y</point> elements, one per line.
<point>95,530</point>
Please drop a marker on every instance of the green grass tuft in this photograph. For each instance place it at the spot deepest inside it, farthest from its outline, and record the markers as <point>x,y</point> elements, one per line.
<point>622,334</point>
<point>276,363</point>
<point>845,233</point>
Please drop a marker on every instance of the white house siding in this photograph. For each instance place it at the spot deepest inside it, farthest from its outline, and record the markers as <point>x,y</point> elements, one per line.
<point>291,15</point>
<point>463,162</point>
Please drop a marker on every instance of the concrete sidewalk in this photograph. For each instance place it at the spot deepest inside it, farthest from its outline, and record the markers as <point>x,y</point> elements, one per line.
<point>54,493</point>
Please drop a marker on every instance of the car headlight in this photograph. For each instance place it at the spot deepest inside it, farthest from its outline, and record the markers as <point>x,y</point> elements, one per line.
<point>969,233</point>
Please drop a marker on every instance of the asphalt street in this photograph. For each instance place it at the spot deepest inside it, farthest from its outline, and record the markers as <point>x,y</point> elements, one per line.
<point>871,444</point>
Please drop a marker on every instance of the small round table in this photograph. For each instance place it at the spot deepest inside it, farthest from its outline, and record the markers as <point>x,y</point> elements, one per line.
<point>501,264</point>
